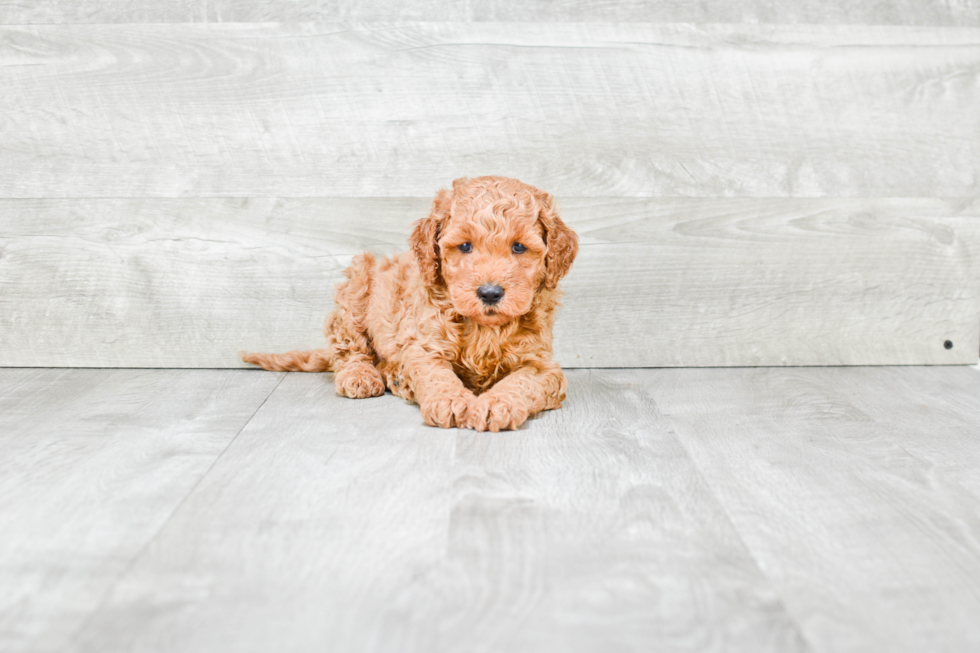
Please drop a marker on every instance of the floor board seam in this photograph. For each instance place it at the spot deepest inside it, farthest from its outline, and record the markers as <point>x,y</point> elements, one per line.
<point>143,549</point>
<point>748,550</point>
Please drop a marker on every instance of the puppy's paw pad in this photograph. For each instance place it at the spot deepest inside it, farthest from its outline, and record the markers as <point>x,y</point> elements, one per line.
<point>359,380</point>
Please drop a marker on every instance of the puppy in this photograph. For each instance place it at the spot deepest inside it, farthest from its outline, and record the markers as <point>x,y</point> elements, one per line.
<point>462,324</point>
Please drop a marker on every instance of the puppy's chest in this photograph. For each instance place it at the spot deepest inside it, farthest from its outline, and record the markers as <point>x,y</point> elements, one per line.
<point>483,360</point>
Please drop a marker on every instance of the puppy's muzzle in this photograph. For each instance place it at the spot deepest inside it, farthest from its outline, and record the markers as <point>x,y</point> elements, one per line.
<point>490,293</point>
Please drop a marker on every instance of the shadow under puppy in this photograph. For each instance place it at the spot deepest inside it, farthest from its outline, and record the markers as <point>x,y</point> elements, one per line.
<point>462,324</point>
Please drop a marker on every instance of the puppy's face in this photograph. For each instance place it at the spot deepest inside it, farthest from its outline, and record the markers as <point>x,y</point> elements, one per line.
<point>493,259</point>
<point>493,242</point>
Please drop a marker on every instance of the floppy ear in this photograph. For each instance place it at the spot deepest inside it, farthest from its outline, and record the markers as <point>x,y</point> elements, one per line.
<point>425,236</point>
<point>562,242</point>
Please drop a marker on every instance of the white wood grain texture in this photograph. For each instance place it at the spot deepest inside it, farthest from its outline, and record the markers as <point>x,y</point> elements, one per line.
<point>895,12</point>
<point>378,109</point>
<point>941,402</point>
<point>854,489</point>
<point>298,538</point>
<point>667,282</point>
<point>92,464</point>
<point>348,525</point>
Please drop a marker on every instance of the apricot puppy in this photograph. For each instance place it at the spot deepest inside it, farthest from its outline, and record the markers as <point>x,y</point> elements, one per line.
<point>462,324</point>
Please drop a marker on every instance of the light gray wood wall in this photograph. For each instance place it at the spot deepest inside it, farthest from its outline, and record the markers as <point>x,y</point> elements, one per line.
<point>393,110</point>
<point>748,194</point>
<point>658,282</point>
<point>862,12</point>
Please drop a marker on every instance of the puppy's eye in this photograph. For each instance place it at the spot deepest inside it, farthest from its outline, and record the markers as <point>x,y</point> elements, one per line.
<point>518,248</point>
<point>466,248</point>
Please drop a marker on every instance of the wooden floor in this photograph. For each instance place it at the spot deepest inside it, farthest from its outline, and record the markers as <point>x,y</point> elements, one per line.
<point>755,509</point>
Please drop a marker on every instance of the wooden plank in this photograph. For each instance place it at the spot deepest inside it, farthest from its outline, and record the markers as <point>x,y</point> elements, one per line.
<point>347,525</point>
<point>852,489</point>
<point>92,464</point>
<point>778,282</point>
<point>665,282</point>
<point>897,12</point>
<point>300,535</point>
<point>605,109</point>
<point>939,401</point>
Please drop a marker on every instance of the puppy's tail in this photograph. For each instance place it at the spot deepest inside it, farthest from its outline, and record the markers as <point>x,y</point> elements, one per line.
<point>316,360</point>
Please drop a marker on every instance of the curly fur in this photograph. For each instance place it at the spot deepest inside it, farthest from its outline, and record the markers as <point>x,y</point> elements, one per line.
<point>413,323</point>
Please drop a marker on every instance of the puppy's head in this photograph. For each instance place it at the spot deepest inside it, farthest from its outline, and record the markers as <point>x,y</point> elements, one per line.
<point>493,243</point>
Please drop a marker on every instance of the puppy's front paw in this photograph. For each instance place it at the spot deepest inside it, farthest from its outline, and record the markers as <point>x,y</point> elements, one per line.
<point>446,410</point>
<point>492,413</point>
<point>359,380</point>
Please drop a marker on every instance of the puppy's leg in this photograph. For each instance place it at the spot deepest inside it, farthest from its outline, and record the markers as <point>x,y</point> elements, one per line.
<point>441,396</point>
<point>358,379</point>
<point>516,397</point>
<point>346,331</point>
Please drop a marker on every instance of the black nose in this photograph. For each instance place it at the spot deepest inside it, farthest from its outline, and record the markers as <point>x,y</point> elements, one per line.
<point>489,293</point>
